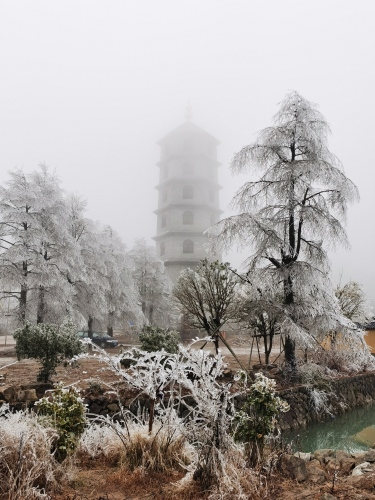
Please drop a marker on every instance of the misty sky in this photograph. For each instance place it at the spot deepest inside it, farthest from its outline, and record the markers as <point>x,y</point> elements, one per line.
<point>88,87</point>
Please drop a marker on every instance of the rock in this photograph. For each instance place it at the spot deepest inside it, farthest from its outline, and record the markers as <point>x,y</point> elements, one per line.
<point>40,388</point>
<point>305,456</point>
<point>27,395</point>
<point>347,464</point>
<point>228,373</point>
<point>360,469</point>
<point>113,407</point>
<point>322,454</point>
<point>363,482</point>
<point>274,372</point>
<point>314,473</point>
<point>359,457</point>
<point>95,408</point>
<point>341,460</point>
<point>328,496</point>
<point>369,455</point>
<point>9,394</point>
<point>341,455</point>
<point>295,466</point>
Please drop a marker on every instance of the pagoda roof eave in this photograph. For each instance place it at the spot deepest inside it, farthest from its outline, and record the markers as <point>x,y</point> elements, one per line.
<point>187,127</point>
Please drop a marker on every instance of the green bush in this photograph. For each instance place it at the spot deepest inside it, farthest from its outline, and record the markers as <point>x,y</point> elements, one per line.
<point>49,344</point>
<point>64,411</point>
<point>258,417</point>
<point>155,339</point>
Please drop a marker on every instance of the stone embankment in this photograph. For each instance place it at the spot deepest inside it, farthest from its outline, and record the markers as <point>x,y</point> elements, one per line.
<point>310,404</point>
<point>334,470</point>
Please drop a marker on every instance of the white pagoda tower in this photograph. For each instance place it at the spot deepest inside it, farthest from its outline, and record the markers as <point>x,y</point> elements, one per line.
<point>188,202</point>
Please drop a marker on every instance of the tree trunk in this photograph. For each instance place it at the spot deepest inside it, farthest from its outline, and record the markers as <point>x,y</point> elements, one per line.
<point>151,416</point>
<point>290,354</point>
<point>23,303</point>
<point>289,345</point>
<point>23,294</point>
<point>110,324</point>
<point>41,306</point>
<point>216,342</point>
<point>90,322</point>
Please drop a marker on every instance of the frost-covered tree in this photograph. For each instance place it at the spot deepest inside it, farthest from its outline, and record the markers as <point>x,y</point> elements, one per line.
<point>291,215</point>
<point>261,310</point>
<point>154,286</point>
<point>105,292</point>
<point>122,299</point>
<point>208,294</point>
<point>36,248</point>
<point>353,301</point>
<point>92,287</point>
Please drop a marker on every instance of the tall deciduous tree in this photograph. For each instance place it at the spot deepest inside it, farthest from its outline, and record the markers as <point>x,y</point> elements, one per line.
<point>208,294</point>
<point>36,248</point>
<point>122,299</point>
<point>153,285</point>
<point>291,215</point>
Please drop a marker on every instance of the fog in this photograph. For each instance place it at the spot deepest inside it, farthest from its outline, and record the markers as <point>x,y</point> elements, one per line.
<point>88,87</point>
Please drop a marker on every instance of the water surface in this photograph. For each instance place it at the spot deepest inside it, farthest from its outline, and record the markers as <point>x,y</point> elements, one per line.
<point>353,431</point>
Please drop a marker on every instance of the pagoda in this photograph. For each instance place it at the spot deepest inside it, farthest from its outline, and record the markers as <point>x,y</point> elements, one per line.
<point>188,200</point>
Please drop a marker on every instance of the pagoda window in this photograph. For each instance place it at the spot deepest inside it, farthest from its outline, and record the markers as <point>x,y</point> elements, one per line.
<point>163,220</point>
<point>188,218</point>
<point>188,193</point>
<point>162,248</point>
<point>188,246</point>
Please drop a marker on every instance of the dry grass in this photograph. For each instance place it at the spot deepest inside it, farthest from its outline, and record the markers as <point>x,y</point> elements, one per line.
<point>132,447</point>
<point>27,468</point>
<point>157,453</point>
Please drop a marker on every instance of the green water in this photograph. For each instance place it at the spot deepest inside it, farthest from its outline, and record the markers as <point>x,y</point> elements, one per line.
<point>354,431</point>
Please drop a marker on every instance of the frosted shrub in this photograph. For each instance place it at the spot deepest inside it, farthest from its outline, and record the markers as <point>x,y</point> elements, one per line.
<point>258,417</point>
<point>49,344</point>
<point>349,353</point>
<point>64,410</point>
<point>311,374</point>
<point>28,470</point>
<point>191,415</point>
<point>210,416</point>
<point>155,339</point>
<point>320,401</point>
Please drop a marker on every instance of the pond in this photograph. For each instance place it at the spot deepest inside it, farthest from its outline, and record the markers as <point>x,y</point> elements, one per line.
<point>353,431</point>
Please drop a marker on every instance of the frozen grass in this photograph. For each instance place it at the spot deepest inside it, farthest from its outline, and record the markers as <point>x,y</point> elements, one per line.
<point>27,468</point>
<point>133,447</point>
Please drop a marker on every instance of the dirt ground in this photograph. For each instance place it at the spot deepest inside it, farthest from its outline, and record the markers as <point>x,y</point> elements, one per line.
<point>25,371</point>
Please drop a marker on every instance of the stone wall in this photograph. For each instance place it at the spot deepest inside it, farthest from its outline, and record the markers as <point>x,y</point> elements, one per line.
<point>341,395</point>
